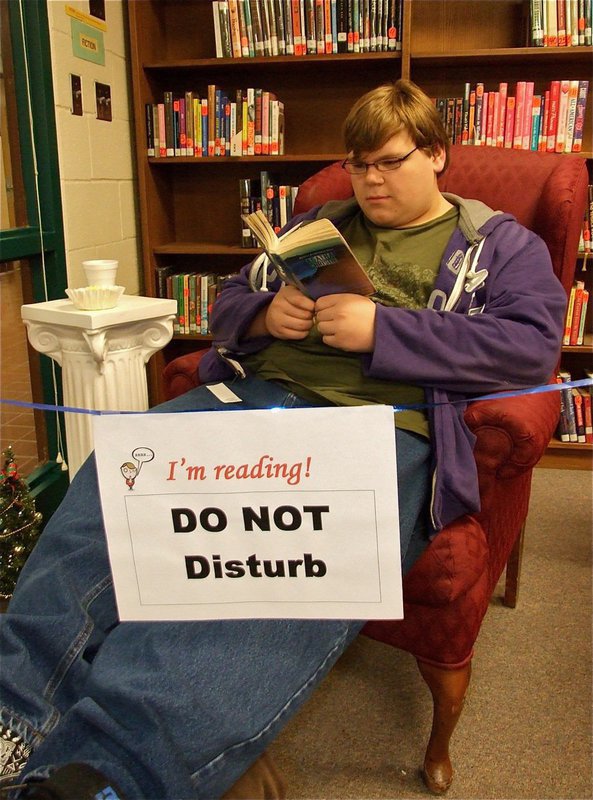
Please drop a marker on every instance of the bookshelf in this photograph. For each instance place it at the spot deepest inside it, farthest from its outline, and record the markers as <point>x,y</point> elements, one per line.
<point>575,359</point>
<point>189,207</point>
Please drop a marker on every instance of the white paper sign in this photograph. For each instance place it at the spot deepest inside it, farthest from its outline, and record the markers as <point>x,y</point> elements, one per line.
<point>228,515</point>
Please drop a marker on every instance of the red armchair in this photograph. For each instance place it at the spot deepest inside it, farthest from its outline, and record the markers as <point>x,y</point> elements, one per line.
<point>447,592</point>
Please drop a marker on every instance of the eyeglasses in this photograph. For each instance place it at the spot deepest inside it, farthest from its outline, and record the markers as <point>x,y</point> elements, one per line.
<point>382,165</point>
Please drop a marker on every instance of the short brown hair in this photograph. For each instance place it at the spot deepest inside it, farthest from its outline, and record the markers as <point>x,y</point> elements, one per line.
<point>381,113</point>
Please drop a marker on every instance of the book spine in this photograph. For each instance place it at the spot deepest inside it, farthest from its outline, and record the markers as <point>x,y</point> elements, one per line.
<point>569,313</point>
<point>577,400</point>
<point>169,128</point>
<point>587,414</point>
<point>585,304</point>
<point>310,32</point>
<point>579,122</point>
<point>479,110</point>
<point>149,127</point>
<point>250,121</point>
<point>509,127</point>
<point>536,109</point>
<point>551,30</point>
<point>297,32</point>
<point>569,404</point>
<point>571,114</point>
<point>189,124</point>
<point>562,114</point>
<point>553,116</point>
<point>342,26</point>
<point>537,30</point>
<point>561,22</point>
<point>575,322</point>
<point>543,134</point>
<point>256,27</point>
<point>502,108</point>
<point>249,27</point>
<point>527,115</point>
<point>216,22</point>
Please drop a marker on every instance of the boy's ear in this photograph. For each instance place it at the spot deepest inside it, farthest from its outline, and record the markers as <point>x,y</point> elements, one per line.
<point>439,157</point>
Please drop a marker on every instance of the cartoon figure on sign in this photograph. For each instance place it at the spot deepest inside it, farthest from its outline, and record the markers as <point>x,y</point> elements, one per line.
<point>130,471</point>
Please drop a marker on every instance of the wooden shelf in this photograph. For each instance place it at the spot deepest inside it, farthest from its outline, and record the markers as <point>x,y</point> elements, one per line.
<point>523,55</point>
<point>270,62</point>
<point>305,158</point>
<point>204,248</point>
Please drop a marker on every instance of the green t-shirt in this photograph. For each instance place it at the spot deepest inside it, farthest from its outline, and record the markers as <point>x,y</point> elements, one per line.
<point>403,264</point>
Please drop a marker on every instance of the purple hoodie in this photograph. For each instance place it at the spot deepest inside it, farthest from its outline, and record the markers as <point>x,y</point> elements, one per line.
<point>493,323</point>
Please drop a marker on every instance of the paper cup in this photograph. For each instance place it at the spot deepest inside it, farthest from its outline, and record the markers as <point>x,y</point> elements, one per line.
<point>101,272</point>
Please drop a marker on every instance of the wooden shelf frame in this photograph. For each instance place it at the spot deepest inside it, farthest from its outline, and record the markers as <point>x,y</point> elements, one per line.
<point>173,48</point>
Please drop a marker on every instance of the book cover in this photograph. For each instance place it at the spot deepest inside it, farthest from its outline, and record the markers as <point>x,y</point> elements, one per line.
<point>519,114</point>
<point>313,256</point>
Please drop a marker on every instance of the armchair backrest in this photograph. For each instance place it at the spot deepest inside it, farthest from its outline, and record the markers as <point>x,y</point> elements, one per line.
<point>546,192</point>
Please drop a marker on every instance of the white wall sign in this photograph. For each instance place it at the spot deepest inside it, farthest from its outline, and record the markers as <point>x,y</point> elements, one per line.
<point>227,515</point>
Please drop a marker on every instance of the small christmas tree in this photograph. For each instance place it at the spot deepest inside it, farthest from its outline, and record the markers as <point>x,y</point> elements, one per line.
<point>20,524</point>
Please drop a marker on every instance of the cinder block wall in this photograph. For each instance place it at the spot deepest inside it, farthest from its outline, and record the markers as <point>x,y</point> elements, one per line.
<point>97,169</point>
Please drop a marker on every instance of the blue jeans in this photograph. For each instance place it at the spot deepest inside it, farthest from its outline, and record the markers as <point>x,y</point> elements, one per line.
<point>165,710</point>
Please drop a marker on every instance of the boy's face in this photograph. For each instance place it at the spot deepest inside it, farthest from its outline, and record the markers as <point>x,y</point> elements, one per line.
<point>403,197</point>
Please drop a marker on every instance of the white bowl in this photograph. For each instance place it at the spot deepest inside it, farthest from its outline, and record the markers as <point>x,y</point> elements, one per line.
<point>95,298</point>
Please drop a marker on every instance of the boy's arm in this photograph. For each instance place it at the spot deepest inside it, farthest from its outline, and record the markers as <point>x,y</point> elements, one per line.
<point>514,343</point>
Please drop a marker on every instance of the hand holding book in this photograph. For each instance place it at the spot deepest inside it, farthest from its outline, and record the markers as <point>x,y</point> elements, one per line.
<point>313,256</point>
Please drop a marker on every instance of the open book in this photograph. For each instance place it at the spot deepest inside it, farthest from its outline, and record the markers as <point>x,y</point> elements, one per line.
<point>313,256</point>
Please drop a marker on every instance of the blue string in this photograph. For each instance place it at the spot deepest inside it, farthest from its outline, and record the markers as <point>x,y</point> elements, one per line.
<point>550,387</point>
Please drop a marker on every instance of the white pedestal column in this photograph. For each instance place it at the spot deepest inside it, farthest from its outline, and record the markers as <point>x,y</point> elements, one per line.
<point>103,356</point>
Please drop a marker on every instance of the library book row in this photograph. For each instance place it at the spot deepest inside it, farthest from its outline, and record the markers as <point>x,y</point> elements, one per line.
<point>552,121</point>
<point>586,241</point>
<point>195,293</point>
<point>276,200</point>
<point>245,122</point>
<point>250,28</point>
<point>575,424</point>
<point>560,23</point>
<point>576,312</point>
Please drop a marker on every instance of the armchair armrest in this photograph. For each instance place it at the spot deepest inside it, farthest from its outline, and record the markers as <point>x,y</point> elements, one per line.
<point>513,432</point>
<point>181,374</point>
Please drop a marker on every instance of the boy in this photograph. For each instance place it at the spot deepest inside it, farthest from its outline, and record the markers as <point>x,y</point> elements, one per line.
<point>465,303</point>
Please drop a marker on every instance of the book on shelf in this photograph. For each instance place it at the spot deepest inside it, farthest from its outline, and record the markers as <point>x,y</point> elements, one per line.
<point>568,420</point>
<point>576,313</point>
<point>313,256</point>
<point>194,292</point>
<point>560,23</point>
<point>269,28</point>
<point>221,123</point>
<point>518,116</point>
<point>587,413</point>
